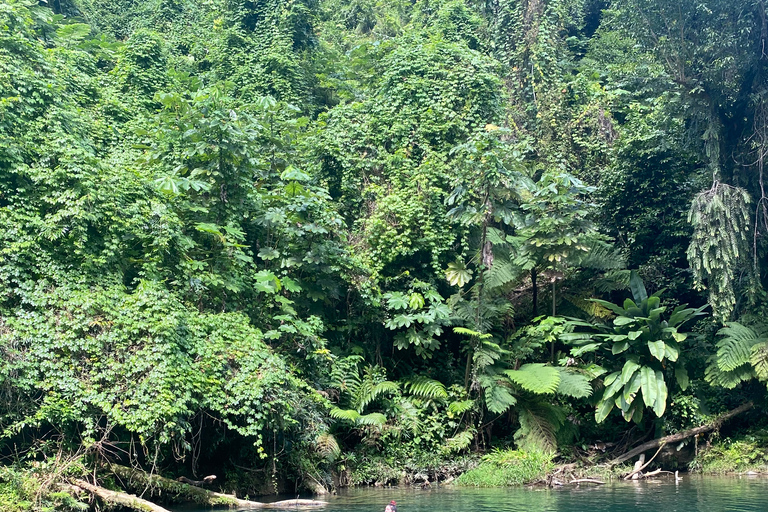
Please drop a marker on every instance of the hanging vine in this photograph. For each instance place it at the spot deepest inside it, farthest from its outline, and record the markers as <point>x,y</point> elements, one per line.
<point>720,218</point>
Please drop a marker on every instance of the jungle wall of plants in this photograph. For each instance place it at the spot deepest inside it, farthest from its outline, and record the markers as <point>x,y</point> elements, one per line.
<point>352,241</point>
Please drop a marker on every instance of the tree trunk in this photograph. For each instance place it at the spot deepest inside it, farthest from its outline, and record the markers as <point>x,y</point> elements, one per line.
<point>121,499</point>
<point>535,292</point>
<point>189,493</point>
<point>681,435</point>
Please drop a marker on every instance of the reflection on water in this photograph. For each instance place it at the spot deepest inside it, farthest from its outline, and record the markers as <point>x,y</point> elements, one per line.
<point>692,494</point>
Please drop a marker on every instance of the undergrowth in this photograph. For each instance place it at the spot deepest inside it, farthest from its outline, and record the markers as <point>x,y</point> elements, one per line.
<point>734,455</point>
<point>507,467</point>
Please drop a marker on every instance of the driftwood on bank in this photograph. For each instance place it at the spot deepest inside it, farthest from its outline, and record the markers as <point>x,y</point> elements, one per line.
<point>189,493</point>
<point>120,499</point>
<point>680,435</point>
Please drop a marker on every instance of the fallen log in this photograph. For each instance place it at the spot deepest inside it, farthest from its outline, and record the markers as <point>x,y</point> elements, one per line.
<point>121,499</point>
<point>681,435</point>
<point>587,481</point>
<point>197,483</point>
<point>189,493</point>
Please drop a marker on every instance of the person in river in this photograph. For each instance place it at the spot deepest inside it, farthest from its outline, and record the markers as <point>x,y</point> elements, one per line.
<point>392,507</point>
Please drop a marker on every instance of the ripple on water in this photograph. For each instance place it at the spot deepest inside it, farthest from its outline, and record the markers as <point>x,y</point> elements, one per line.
<point>692,494</point>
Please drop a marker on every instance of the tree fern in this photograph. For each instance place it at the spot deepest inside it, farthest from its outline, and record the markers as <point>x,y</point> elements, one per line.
<point>536,378</point>
<point>735,346</point>
<point>539,424</point>
<point>498,396</point>
<point>728,380</point>
<point>574,384</point>
<point>759,360</point>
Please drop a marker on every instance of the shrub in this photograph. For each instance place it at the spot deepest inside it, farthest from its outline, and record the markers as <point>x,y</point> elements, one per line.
<point>507,467</point>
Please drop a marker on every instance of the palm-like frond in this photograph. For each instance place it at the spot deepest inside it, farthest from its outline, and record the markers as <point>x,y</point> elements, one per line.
<point>426,388</point>
<point>498,396</point>
<point>536,378</point>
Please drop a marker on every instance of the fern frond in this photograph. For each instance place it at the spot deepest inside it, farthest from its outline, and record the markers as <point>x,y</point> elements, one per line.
<point>536,378</point>
<point>370,392</point>
<point>735,346</point>
<point>408,416</point>
<point>460,407</point>
<point>374,418</point>
<point>730,379</point>
<point>498,396</point>
<point>501,272</point>
<point>426,388</point>
<point>602,256</point>
<point>538,427</point>
<point>327,446</point>
<point>459,442</point>
<point>574,384</point>
<point>759,360</point>
<point>344,414</point>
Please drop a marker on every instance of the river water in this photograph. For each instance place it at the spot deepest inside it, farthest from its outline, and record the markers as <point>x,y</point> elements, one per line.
<point>692,494</point>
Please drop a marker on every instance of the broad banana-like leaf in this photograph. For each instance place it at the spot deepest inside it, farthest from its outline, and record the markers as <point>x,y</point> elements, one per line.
<point>657,349</point>
<point>637,287</point>
<point>661,395</point>
<point>648,384</point>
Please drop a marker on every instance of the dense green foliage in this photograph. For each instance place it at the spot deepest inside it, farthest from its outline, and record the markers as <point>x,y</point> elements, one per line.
<point>298,239</point>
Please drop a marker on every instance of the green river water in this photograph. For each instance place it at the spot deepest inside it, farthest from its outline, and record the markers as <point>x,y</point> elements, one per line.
<point>692,494</point>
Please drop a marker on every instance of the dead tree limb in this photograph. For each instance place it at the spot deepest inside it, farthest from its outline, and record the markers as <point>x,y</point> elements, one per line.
<point>121,499</point>
<point>681,435</point>
<point>189,493</point>
<point>635,471</point>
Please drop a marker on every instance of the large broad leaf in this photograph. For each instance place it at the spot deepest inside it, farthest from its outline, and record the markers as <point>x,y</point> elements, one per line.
<point>603,409</point>
<point>630,367</point>
<point>648,384</point>
<point>619,347</point>
<point>536,378</point>
<point>610,305</point>
<point>631,388</point>
<point>657,348</point>
<point>458,274</point>
<point>671,350</point>
<point>661,394</point>
<point>681,375</point>
<point>573,384</point>
<point>637,287</point>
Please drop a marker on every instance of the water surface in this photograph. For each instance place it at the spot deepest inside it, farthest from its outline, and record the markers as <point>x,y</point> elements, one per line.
<point>692,494</point>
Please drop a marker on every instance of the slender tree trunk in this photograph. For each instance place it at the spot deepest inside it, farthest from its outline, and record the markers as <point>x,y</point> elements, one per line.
<point>535,292</point>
